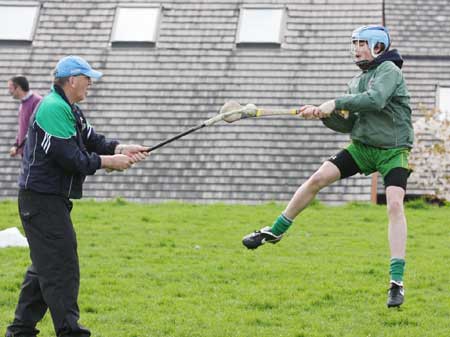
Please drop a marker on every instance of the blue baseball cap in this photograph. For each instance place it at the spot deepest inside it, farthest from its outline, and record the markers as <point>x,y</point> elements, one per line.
<point>73,66</point>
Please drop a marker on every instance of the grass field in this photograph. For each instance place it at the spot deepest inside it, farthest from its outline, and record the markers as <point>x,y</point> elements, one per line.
<point>180,270</point>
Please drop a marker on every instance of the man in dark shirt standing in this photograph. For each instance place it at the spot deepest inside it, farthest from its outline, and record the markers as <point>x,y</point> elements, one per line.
<point>61,150</point>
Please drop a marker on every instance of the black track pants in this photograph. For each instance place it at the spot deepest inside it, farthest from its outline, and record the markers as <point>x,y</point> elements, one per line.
<point>53,279</point>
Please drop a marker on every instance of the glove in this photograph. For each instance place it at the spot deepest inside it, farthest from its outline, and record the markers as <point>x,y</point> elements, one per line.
<point>327,108</point>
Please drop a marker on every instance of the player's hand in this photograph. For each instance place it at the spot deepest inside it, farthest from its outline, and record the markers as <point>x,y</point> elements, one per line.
<point>327,108</point>
<point>309,112</point>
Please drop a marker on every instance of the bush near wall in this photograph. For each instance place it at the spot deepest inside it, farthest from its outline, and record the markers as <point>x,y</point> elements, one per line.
<point>430,157</point>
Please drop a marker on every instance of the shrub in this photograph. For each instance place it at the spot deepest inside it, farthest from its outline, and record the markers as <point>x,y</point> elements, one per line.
<point>430,157</point>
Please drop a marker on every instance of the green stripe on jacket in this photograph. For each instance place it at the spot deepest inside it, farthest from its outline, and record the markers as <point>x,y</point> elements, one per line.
<point>55,117</point>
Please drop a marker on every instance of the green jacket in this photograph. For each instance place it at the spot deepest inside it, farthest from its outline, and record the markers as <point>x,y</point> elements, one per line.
<point>378,102</point>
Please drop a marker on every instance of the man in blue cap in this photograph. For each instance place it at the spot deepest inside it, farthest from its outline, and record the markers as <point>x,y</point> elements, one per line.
<point>62,149</point>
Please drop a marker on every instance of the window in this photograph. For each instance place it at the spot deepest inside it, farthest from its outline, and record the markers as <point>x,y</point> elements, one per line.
<point>18,21</point>
<point>136,25</point>
<point>260,26</point>
<point>443,98</point>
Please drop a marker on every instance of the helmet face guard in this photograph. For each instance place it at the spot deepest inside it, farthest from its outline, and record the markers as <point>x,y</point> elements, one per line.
<point>373,35</point>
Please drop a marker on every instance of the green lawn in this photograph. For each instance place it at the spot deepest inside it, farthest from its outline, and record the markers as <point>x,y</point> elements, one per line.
<point>180,270</point>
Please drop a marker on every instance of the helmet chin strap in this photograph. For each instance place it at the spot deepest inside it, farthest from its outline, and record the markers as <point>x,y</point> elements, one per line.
<point>364,64</point>
<point>375,55</point>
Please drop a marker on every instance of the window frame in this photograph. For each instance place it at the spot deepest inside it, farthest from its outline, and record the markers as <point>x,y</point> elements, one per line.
<point>18,4</point>
<point>125,43</point>
<point>281,35</point>
<point>442,115</point>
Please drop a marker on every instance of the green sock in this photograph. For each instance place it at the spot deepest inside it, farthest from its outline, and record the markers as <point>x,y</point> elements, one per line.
<point>281,225</point>
<point>397,268</point>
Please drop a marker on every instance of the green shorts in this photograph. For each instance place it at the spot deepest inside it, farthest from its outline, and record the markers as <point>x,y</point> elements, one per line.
<point>371,159</point>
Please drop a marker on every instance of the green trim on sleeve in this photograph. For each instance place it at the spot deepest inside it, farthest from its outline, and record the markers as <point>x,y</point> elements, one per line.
<point>55,117</point>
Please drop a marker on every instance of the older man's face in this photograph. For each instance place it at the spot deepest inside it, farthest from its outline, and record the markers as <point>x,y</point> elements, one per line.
<point>81,83</point>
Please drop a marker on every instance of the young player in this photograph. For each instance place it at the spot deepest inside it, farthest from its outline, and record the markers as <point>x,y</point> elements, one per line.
<point>382,136</point>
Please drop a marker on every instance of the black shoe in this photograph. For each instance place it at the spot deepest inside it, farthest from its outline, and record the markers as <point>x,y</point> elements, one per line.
<point>396,295</point>
<point>258,238</point>
<point>10,334</point>
<point>23,332</point>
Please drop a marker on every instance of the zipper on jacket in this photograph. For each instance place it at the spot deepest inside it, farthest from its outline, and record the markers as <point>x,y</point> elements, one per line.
<point>395,131</point>
<point>32,162</point>
<point>70,187</point>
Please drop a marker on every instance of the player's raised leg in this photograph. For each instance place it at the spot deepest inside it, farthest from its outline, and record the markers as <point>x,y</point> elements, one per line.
<point>324,176</point>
